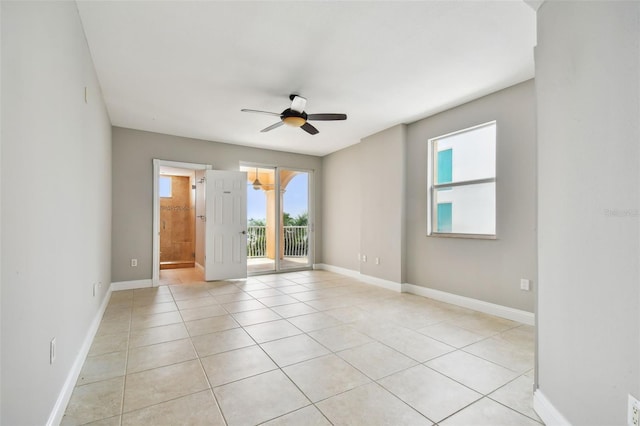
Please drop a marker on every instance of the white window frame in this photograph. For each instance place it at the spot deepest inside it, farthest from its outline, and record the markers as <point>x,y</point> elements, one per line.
<point>432,187</point>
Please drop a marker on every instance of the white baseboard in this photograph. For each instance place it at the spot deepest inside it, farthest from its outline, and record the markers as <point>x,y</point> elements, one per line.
<point>546,411</point>
<point>379,282</point>
<point>55,418</point>
<point>466,302</point>
<point>338,270</point>
<point>131,285</point>
<point>475,304</point>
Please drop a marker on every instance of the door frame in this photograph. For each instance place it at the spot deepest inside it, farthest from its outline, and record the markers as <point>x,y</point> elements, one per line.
<point>157,163</point>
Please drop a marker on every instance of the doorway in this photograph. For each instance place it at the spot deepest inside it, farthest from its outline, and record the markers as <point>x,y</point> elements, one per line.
<point>279,219</point>
<point>177,218</point>
<point>178,234</point>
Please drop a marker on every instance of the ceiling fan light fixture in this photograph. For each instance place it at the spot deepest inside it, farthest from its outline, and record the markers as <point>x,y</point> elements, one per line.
<point>295,116</point>
<point>294,121</point>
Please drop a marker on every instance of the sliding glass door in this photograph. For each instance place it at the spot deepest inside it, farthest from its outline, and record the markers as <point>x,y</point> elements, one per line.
<point>278,230</point>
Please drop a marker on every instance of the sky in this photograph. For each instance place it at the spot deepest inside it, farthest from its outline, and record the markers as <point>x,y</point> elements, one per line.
<point>295,198</point>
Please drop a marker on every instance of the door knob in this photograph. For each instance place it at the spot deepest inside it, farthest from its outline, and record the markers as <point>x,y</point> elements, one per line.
<point>243,232</point>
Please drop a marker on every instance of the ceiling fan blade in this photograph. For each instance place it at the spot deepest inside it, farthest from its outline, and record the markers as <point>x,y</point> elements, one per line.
<point>261,112</point>
<point>273,126</point>
<point>327,117</point>
<point>298,103</point>
<point>309,129</point>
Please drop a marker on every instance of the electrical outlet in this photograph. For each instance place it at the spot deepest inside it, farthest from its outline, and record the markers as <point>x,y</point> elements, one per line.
<point>364,257</point>
<point>52,350</point>
<point>95,290</point>
<point>633,413</point>
<point>525,284</point>
<point>377,260</point>
<point>134,262</point>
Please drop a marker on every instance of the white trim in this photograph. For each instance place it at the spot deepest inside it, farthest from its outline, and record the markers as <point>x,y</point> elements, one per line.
<point>454,299</point>
<point>155,238</point>
<point>475,304</point>
<point>338,270</point>
<point>55,418</point>
<point>378,282</point>
<point>546,411</point>
<point>131,285</point>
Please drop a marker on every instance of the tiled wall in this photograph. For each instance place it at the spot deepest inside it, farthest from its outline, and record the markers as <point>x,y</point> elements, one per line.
<point>177,222</point>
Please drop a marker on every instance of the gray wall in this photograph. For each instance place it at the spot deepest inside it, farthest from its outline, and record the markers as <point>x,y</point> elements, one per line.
<point>341,208</point>
<point>381,183</point>
<point>588,91</point>
<point>133,154</point>
<point>488,270</point>
<point>382,188</point>
<point>56,202</point>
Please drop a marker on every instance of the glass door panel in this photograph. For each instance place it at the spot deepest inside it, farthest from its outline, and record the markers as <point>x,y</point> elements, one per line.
<point>294,231</point>
<point>262,220</point>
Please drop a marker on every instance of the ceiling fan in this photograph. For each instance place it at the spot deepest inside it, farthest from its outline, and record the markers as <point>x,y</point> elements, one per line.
<point>295,116</point>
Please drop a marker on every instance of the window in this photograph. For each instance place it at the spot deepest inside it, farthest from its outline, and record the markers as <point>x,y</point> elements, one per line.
<point>462,183</point>
<point>165,186</point>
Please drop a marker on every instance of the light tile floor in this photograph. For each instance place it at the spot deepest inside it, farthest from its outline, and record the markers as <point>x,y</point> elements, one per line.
<point>302,348</point>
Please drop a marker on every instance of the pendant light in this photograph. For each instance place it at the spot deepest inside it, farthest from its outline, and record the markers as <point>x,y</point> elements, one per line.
<point>256,183</point>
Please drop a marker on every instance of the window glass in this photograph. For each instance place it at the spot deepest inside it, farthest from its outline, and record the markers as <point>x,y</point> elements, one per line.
<point>445,165</point>
<point>444,217</point>
<point>462,193</point>
<point>470,209</point>
<point>165,186</point>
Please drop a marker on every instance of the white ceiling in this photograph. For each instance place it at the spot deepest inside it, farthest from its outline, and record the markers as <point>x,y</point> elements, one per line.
<point>187,68</point>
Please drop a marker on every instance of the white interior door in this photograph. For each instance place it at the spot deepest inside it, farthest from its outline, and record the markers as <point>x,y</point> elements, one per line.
<point>226,225</point>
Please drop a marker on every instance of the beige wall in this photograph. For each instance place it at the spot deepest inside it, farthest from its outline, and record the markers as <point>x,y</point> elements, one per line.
<point>588,91</point>
<point>133,154</point>
<point>56,203</point>
<point>341,208</point>
<point>488,270</point>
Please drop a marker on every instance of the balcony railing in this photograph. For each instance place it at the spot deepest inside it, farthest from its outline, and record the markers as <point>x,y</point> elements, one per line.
<point>296,241</point>
<point>256,241</point>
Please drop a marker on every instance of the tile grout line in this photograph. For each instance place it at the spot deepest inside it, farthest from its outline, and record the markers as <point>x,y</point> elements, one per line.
<point>356,295</point>
<point>126,361</point>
